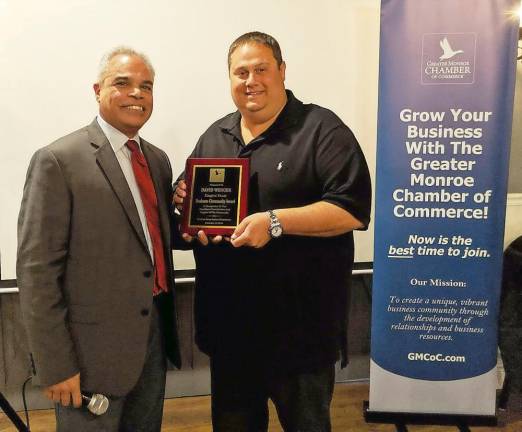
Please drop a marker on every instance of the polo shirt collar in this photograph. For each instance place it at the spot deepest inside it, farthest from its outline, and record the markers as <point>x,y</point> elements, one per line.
<point>288,117</point>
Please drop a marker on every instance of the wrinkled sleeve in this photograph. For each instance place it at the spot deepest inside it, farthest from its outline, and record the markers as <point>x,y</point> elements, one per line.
<point>343,173</point>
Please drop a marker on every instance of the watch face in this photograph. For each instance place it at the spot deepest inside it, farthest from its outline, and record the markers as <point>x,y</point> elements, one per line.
<point>276,231</point>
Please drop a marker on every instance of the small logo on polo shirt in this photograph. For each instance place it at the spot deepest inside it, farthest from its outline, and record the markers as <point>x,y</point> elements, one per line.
<point>217,175</point>
<point>280,166</point>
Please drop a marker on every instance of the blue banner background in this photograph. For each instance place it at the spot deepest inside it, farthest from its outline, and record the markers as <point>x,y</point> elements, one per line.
<point>411,35</point>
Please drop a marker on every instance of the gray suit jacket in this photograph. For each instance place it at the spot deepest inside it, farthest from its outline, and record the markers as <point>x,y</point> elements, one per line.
<point>84,271</point>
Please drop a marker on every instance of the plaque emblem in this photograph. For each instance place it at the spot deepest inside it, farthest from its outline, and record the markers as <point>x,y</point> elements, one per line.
<point>217,175</point>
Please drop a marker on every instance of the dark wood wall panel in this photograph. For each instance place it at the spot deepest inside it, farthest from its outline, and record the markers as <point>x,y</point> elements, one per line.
<point>14,351</point>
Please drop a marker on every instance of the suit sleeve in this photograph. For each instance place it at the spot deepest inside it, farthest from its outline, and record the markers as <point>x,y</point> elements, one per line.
<point>43,237</point>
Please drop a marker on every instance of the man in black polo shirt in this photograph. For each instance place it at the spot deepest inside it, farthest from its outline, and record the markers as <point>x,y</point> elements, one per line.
<point>271,302</point>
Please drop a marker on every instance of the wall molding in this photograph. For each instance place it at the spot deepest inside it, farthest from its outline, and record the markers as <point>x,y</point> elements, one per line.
<point>514,199</point>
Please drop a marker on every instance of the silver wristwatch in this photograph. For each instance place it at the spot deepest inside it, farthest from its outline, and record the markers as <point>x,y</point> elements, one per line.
<point>275,229</point>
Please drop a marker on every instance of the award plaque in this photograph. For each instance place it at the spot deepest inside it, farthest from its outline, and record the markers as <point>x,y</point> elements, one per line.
<point>217,195</point>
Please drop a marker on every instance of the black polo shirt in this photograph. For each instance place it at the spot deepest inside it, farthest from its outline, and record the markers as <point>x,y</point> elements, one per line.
<point>288,301</point>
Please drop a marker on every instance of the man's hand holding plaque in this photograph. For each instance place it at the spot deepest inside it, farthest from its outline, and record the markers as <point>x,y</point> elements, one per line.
<point>179,196</point>
<point>213,198</point>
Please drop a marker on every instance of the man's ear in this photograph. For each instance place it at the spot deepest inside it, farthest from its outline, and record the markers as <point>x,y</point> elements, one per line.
<point>282,70</point>
<point>96,88</point>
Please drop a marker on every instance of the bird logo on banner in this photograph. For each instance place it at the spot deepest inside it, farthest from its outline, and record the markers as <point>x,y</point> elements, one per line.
<point>448,52</point>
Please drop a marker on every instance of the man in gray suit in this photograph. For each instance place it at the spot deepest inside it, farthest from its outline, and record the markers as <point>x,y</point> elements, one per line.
<point>94,260</point>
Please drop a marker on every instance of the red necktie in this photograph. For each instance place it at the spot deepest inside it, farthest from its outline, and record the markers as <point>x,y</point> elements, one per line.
<point>150,205</point>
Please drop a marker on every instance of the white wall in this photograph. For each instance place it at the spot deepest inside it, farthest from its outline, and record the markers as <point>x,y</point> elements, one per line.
<point>515,162</point>
<point>513,218</point>
<point>49,52</point>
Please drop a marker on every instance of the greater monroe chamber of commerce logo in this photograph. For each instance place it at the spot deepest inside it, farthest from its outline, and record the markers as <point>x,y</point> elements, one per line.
<point>448,58</point>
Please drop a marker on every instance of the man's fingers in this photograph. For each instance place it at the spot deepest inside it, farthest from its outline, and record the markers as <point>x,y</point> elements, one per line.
<point>62,391</point>
<point>240,240</point>
<point>56,396</point>
<point>65,398</point>
<point>77,399</point>
<point>252,231</point>
<point>216,239</point>
<point>240,236</point>
<point>178,201</point>
<point>180,194</point>
<point>188,238</point>
<point>239,229</point>
<point>202,237</point>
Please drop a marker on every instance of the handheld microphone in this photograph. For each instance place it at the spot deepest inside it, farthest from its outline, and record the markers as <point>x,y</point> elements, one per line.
<point>96,403</point>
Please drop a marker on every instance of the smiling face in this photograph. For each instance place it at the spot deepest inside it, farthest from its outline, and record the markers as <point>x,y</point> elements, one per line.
<point>124,93</point>
<point>257,82</point>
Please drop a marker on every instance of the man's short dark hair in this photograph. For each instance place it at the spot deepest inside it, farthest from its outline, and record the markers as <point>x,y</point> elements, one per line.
<point>260,38</point>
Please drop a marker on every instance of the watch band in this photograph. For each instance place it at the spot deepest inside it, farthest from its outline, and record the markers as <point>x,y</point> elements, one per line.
<point>275,228</point>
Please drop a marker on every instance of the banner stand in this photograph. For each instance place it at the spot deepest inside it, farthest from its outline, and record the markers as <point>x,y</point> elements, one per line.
<point>400,420</point>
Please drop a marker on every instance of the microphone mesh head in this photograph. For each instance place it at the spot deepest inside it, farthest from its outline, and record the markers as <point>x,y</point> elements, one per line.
<point>99,404</point>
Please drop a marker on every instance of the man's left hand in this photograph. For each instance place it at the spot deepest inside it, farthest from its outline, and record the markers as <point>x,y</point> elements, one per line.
<point>179,195</point>
<point>252,231</point>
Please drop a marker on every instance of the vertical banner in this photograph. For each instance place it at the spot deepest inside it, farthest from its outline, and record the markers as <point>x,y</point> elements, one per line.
<point>447,71</point>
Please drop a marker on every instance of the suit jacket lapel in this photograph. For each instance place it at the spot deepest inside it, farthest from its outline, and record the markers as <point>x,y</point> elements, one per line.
<point>112,171</point>
<point>155,168</point>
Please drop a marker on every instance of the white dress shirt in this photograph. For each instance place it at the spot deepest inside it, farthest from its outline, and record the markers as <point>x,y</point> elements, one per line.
<point>117,141</point>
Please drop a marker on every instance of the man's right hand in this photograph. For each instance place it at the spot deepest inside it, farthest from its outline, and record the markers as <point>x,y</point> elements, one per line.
<point>179,195</point>
<point>63,391</point>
